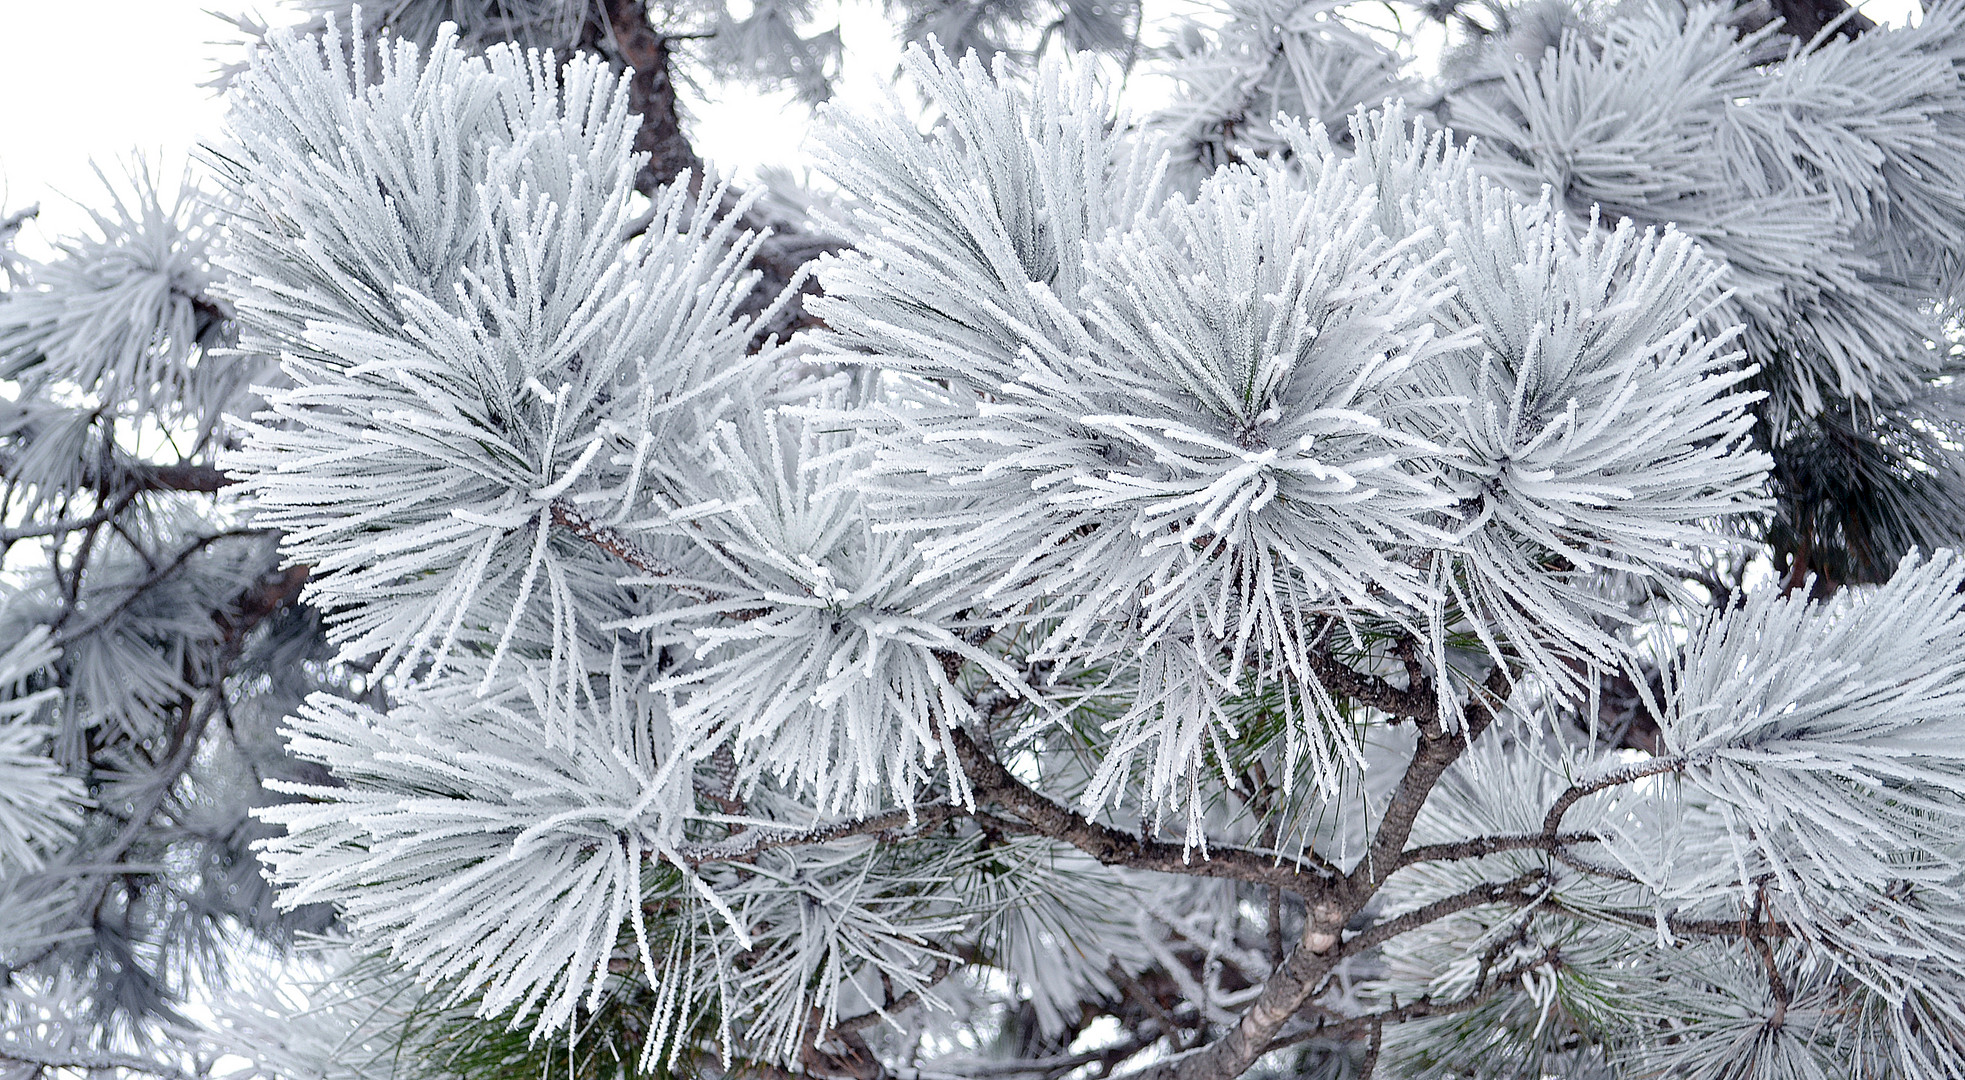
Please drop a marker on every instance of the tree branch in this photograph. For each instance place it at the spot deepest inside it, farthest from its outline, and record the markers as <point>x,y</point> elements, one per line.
<point>906,1001</point>
<point>1372,1050</point>
<point>159,575</point>
<point>745,846</point>
<point>1678,924</point>
<point>1114,847</point>
<point>77,1059</point>
<point>1416,702</point>
<point>611,540</point>
<point>1750,928</point>
<point>103,516</point>
<point>208,479</point>
<point>1552,821</point>
<point>1482,846</point>
<point>1057,1065</point>
<point>1492,892</point>
<point>1437,751</point>
<point>624,33</point>
<point>1806,18</point>
<point>1362,1025</point>
<point>1316,953</point>
<point>120,473</point>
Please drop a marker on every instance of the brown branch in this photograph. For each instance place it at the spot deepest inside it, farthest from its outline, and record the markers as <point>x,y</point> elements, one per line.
<point>1416,702</point>
<point>1114,847</point>
<point>208,479</point>
<point>160,574</point>
<point>1412,1010</point>
<point>624,34</point>
<point>1058,1065</point>
<point>1372,1050</point>
<point>66,525</point>
<point>611,540</point>
<point>1491,892</point>
<point>1750,928</point>
<point>1576,862</point>
<point>257,604</point>
<point>628,550</point>
<point>1806,18</point>
<point>1677,924</point>
<point>908,1000</point>
<point>1129,986</point>
<point>118,473</point>
<point>90,1061</point>
<point>746,845</point>
<point>1552,821</point>
<point>1437,751</point>
<point>1316,953</point>
<point>1482,846</point>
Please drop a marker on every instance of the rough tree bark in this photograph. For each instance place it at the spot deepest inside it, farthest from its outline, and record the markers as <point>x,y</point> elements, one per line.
<point>1806,18</point>
<point>624,34</point>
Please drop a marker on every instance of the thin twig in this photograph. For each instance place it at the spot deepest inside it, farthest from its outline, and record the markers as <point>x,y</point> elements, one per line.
<point>1750,927</point>
<point>1115,847</point>
<point>745,846</point>
<point>1377,1044</point>
<point>1490,892</point>
<point>155,578</point>
<point>906,1001</point>
<point>628,550</point>
<point>1482,846</point>
<point>1552,822</point>
<point>76,1059</point>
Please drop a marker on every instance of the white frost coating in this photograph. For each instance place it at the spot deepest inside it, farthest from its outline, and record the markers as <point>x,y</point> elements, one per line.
<point>1335,392</point>
<point>1830,738</point>
<point>40,806</point>
<point>1108,480</point>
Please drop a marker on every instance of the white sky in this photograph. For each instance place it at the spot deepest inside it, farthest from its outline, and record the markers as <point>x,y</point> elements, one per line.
<point>126,82</point>
<point>110,78</point>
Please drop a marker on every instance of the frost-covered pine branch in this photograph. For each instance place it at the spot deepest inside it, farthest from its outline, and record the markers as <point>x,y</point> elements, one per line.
<point>1161,611</point>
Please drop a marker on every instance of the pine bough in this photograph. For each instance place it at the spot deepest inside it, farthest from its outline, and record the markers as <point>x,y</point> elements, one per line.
<point>1137,556</point>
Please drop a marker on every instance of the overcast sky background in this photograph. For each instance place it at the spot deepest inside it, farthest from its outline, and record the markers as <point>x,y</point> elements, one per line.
<point>111,78</point>
<point>114,78</point>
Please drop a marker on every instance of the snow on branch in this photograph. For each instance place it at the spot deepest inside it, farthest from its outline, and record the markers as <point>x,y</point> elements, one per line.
<point>433,248</point>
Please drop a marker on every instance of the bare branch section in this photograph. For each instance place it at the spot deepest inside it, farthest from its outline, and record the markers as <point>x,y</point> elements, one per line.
<point>1416,702</point>
<point>1552,823</point>
<point>1372,1024</point>
<point>207,479</point>
<point>748,844</point>
<point>611,540</point>
<point>625,33</point>
<point>1113,847</point>
<point>249,605</point>
<point>1690,927</point>
<point>1437,751</point>
<point>90,1061</point>
<point>1482,846</point>
<point>888,1008</point>
<point>1518,890</point>
<point>1806,18</point>
<point>123,474</point>
<point>1292,986</point>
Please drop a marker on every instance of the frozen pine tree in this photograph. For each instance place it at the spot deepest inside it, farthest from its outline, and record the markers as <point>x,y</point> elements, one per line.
<point>1353,570</point>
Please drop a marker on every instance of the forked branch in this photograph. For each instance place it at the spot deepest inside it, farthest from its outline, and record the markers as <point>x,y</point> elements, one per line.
<point>1309,876</point>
